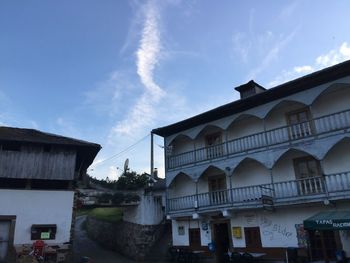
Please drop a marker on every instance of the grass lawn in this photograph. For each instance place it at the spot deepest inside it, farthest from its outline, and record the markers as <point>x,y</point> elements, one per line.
<point>110,214</point>
<point>83,211</point>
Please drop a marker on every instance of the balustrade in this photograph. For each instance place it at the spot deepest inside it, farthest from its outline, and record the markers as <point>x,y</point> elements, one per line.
<point>287,190</point>
<point>324,124</point>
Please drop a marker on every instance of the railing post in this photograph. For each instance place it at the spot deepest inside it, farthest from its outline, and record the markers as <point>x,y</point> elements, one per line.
<point>265,134</point>
<point>226,143</point>
<point>323,178</point>
<point>272,184</point>
<point>197,203</point>
<point>229,173</point>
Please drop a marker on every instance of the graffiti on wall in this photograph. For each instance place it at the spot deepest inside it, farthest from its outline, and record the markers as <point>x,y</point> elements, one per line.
<point>270,229</point>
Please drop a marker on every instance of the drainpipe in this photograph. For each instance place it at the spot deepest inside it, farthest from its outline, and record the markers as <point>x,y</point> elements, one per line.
<point>152,161</point>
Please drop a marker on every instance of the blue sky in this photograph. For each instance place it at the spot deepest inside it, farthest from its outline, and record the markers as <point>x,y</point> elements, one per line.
<point>111,71</point>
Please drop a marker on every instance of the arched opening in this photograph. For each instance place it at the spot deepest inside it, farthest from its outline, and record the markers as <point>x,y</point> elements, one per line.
<point>250,180</point>
<point>244,125</point>
<point>335,98</point>
<point>210,142</point>
<point>288,120</point>
<point>180,144</point>
<point>212,187</point>
<point>181,185</point>
<point>337,159</point>
<point>297,173</point>
<point>250,172</point>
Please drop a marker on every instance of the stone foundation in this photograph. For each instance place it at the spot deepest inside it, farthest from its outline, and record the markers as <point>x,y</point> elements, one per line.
<point>129,239</point>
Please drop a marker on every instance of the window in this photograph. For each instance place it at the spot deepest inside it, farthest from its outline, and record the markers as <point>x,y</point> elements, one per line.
<point>181,230</point>
<point>252,237</point>
<point>214,145</point>
<point>308,170</point>
<point>299,124</point>
<point>43,232</point>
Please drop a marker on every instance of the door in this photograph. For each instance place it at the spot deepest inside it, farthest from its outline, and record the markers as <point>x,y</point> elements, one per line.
<point>252,237</point>
<point>217,189</point>
<point>195,238</point>
<point>299,124</point>
<point>308,170</point>
<point>222,241</point>
<point>5,227</point>
<point>323,244</point>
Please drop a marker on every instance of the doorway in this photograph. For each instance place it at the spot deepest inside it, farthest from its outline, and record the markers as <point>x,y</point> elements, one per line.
<point>222,240</point>
<point>323,244</point>
<point>5,239</point>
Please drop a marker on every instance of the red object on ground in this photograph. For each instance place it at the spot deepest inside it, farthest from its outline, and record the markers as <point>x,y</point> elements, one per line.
<point>38,247</point>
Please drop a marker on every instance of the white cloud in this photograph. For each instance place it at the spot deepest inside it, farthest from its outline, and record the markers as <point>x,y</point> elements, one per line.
<point>303,69</point>
<point>148,56</point>
<point>331,58</point>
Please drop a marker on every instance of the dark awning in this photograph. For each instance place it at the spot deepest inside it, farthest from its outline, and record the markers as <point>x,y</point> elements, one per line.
<point>331,220</point>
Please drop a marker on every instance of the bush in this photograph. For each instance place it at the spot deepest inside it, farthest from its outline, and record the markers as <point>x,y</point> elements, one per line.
<point>131,198</point>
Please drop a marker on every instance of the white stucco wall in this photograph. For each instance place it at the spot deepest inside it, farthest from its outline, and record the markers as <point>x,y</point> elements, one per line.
<point>182,144</point>
<point>338,158</point>
<point>250,172</point>
<point>148,212</point>
<point>331,102</point>
<point>183,240</point>
<point>244,127</point>
<point>181,186</point>
<point>38,207</point>
<point>277,229</point>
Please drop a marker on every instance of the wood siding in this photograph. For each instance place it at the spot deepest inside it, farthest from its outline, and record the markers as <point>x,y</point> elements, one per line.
<point>31,162</point>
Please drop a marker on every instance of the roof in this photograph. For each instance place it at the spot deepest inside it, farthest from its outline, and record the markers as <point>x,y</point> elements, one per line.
<point>87,151</point>
<point>280,91</point>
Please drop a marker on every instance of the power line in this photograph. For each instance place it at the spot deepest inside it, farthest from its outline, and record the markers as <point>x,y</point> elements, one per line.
<point>123,151</point>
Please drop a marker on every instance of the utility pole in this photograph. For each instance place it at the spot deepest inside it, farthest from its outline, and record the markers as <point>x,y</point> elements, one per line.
<point>152,161</point>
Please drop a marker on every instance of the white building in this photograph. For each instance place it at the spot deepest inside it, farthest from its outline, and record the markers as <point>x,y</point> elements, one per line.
<point>38,173</point>
<point>249,175</point>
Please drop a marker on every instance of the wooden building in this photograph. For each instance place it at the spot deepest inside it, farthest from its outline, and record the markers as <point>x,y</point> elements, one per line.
<point>38,174</point>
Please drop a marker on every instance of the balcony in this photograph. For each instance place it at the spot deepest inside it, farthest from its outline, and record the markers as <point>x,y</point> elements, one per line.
<point>332,186</point>
<point>286,134</point>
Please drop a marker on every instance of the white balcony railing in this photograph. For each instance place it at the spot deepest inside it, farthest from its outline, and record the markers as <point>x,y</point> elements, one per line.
<point>327,186</point>
<point>324,124</point>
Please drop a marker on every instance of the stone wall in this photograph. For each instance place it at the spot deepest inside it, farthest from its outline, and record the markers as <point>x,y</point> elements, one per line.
<point>129,239</point>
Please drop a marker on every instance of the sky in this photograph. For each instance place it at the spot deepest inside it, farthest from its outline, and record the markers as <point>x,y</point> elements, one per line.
<point>111,71</point>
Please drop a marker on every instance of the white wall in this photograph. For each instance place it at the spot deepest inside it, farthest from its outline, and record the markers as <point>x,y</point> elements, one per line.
<point>250,172</point>
<point>277,229</point>
<point>148,212</point>
<point>337,159</point>
<point>38,207</point>
<point>182,144</point>
<point>182,186</point>
<point>331,102</point>
<point>183,240</point>
<point>244,127</point>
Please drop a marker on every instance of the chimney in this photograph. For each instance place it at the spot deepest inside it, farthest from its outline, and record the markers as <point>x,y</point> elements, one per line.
<point>251,88</point>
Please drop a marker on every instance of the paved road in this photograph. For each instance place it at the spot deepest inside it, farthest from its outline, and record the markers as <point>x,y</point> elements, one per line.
<point>83,246</point>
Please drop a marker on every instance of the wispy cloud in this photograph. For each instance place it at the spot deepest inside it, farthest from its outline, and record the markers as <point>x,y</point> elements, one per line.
<point>332,57</point>
<point>148,56</point>
<point>272,54</point>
